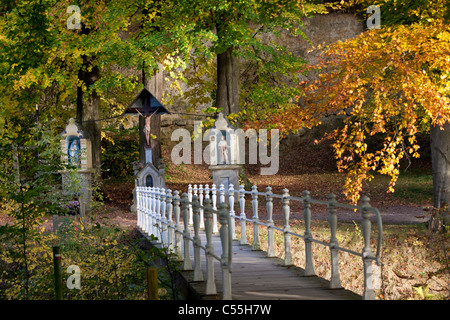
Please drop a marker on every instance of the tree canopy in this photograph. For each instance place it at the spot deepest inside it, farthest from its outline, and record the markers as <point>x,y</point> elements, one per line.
<point>391,82</point>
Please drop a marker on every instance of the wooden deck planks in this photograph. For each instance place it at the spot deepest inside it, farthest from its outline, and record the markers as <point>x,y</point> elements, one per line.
<point>257,277</point>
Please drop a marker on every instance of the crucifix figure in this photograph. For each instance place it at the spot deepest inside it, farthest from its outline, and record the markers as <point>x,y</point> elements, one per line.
<point>147,119</point>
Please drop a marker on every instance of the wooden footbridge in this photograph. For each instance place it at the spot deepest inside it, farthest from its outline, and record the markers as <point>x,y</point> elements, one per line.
<point>217,265</point>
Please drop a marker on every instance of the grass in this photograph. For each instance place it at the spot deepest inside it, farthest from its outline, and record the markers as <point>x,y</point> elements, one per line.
<point>415,188</point>
<point>415,263</point>
<point>410,189</point>
<point>112,261</point>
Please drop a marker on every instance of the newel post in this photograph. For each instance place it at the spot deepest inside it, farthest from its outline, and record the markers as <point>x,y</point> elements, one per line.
<point>190,204</point>
<point>207,196</point>
<point>232,213</point>
<point>287,229</point>
<point>187,265</point>
<point>163,220</point>
<point>144,214</point>
<point>335,281</point>
<point>138,209</point>
<point>145,204</point>
<point>309,266</point>
<point>210,278</point>
<point>141,208</point>
<point>270,230</point>
<point>178,230</point>
<point>367,254</point>
<point>255,218</point>
<point>157,223</point>
<point>224,217</point>
<point>198,275</point>
<point>214,206</point>
<point>150,209</point>
<point>170,226</point>
<point>157,215</point>
<point>242,216</point>
<point>200,199</point>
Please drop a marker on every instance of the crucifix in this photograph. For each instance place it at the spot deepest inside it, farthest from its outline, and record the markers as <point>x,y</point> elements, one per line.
<point>146,130</point>
<point>146,106</point>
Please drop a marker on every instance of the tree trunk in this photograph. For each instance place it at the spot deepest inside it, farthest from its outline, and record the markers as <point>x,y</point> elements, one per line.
<point>88,111</point>
<point>227,95</point>
<point>440,157</point>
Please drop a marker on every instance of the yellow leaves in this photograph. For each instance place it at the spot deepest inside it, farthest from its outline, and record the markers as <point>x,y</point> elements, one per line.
<point>393,82</point>
<point>104,136</point>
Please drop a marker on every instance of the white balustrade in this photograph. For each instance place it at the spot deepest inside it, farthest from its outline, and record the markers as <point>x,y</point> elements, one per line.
<point>214,206</point>
<point>242,216</point>
<point>199,208</point>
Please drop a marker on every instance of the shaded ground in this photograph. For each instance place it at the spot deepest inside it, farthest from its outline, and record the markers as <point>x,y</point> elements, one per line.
<point>303,166</point>
<point>411,259</point>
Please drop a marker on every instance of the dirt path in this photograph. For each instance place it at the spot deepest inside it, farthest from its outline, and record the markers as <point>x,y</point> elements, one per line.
<point>391,215</point>
<point>121,216</point>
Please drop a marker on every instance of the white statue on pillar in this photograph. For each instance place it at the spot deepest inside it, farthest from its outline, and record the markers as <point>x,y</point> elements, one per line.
<point>223,149</point>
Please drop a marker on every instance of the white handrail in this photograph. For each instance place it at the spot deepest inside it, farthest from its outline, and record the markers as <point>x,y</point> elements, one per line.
<point>198,207</point>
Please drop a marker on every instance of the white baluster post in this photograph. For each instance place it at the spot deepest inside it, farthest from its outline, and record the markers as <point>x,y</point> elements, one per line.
<point>287,229</point>
<point>242,216</point>
<point>200,199</point>
<point>144,209</point>
<point>163,220</point>
<point>222,194</point>
<point>309,265</point>
<point>195,193</point>
<point>214,204</point>
<point>256,243</point>
<point>224,217</point>
<point>187,264</point>
<point>138,207</point>
<point>151,210</point>
<point>232,213</point>
<point>157,223</point>
<point>210,277</point>
<point>190,204</point>
<point>178,230</point>
<point>367,254</point>
<point>270,224</point>
<point>335,280</point>
<point>198,275</point>
<point>145,196</point>
<point>170,227</point>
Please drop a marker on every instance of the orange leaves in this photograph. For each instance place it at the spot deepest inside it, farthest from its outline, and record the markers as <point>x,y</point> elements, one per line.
<point>389,82</point>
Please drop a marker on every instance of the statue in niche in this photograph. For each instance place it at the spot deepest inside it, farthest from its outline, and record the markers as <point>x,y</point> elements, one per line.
<point>73,151</point>
<point>223,151</point>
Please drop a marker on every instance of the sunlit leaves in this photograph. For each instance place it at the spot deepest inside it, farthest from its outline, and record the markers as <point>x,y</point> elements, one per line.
<point>392,83</point>
<point>385,81</point>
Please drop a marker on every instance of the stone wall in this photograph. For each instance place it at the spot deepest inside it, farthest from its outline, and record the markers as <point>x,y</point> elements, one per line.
<point>321,29</point>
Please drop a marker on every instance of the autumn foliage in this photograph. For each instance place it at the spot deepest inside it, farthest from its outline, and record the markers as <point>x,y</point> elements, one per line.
<point>392,82</point>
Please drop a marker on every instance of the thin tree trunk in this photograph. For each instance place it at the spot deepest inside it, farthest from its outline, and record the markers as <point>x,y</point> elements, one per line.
<point>440,157</point>
<point>88,111</point>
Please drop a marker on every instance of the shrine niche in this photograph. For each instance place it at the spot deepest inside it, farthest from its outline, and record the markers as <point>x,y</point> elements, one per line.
<point>223,143</point>
<point>150,176</point>
<point>75,147</point>
<point>224,153</point>
<point>77,159</point>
